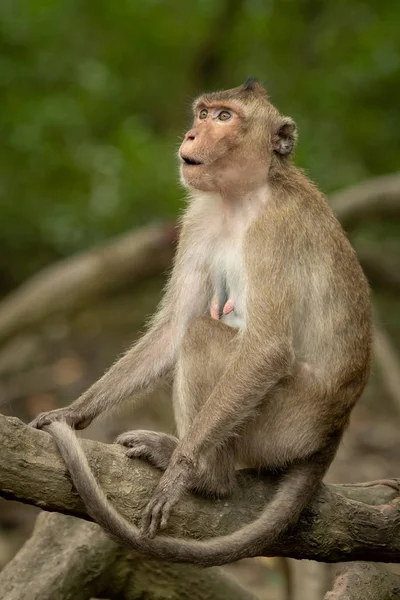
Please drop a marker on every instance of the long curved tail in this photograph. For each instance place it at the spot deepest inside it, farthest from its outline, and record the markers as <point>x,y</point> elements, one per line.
<point>284,510</point>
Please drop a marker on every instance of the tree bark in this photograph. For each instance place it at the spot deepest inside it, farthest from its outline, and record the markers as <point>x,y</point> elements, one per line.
<point>364,581</point>
<point>69,559</point>
<point>342,523</point>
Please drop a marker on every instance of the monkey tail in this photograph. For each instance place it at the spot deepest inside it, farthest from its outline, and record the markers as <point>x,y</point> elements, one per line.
<point>293,494</point>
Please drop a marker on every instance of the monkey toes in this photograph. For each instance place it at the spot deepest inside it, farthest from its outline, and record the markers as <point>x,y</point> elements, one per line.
<point>172,485</point>
<point>153,446</point>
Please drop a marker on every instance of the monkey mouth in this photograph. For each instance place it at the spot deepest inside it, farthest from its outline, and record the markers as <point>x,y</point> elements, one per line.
<point>190,161</point>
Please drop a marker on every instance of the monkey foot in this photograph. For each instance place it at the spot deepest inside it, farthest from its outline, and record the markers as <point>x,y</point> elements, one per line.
<point>153,446</point>
<point>172,485</point>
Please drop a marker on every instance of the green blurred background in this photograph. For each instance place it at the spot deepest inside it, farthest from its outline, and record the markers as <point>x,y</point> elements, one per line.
<point>94,96</point>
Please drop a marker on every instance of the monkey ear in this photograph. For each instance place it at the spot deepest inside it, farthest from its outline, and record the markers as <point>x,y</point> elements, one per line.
<point>285,137</point>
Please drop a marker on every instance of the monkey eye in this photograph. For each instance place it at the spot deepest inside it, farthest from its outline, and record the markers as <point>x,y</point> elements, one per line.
<point>224,115</point>
<point>203,113</point>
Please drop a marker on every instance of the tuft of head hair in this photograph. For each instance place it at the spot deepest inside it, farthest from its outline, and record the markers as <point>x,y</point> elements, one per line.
<point>254,86</point>
<point>250,84</point>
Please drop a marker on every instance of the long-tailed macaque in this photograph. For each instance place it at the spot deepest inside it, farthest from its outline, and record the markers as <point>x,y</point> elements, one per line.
<point>265,327</point>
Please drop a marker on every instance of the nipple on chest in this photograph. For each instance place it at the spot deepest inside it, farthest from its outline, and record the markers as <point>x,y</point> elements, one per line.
<point>215,309</point>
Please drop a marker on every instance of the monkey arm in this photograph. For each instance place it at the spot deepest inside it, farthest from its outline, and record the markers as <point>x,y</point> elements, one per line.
<point>233,401</point>
<point>261,360</point>
<point>142,366</point>
<point>264,354</point>
<point>151,358</point>
<point>235,398</point>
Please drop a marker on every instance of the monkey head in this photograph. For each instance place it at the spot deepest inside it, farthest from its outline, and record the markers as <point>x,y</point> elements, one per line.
<point>236,135</point>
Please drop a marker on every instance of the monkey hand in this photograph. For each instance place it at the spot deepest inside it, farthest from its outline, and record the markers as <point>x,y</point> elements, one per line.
<point>73,417</point>
<point>171,487</point>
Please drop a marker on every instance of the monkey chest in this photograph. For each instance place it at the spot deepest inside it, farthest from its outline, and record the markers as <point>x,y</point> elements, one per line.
<point>229,285</point>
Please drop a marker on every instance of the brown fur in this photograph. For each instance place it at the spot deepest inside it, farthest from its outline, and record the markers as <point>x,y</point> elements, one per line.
<point>270,385</point>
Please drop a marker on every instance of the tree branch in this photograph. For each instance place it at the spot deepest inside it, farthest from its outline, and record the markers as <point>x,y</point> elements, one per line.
<point>343,523</point>
<point>382,270</point>
<point>378,196</point>
<point>364,581</point>
<point>69,558</point>
<point>66,285</point>
<point>389,363</point>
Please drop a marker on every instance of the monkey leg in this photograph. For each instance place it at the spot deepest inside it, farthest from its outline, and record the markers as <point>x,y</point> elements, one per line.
<point>205,352</point>
<point>216,474</point>
<point>153,446</point>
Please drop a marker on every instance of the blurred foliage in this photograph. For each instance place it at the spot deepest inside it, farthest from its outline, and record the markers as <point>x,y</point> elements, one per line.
<point>95,94</point>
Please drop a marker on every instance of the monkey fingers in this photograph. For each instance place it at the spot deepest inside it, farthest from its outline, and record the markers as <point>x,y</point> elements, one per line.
<point>74,418</point>
<point>171,487</point>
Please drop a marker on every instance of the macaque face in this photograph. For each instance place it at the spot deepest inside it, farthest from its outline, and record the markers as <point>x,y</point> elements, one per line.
<point>220,153</point>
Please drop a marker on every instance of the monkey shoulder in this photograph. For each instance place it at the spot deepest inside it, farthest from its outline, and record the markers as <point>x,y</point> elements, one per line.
<point>301,242</point>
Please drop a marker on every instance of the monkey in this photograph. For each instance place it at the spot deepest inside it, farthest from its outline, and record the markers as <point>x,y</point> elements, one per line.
<point>264,329</point>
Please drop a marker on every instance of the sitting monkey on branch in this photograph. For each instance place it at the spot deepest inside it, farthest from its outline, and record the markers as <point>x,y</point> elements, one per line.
<point>265,328</point>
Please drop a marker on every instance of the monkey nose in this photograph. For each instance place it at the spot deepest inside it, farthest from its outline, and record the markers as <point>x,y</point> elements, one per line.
<point>190,136</point>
